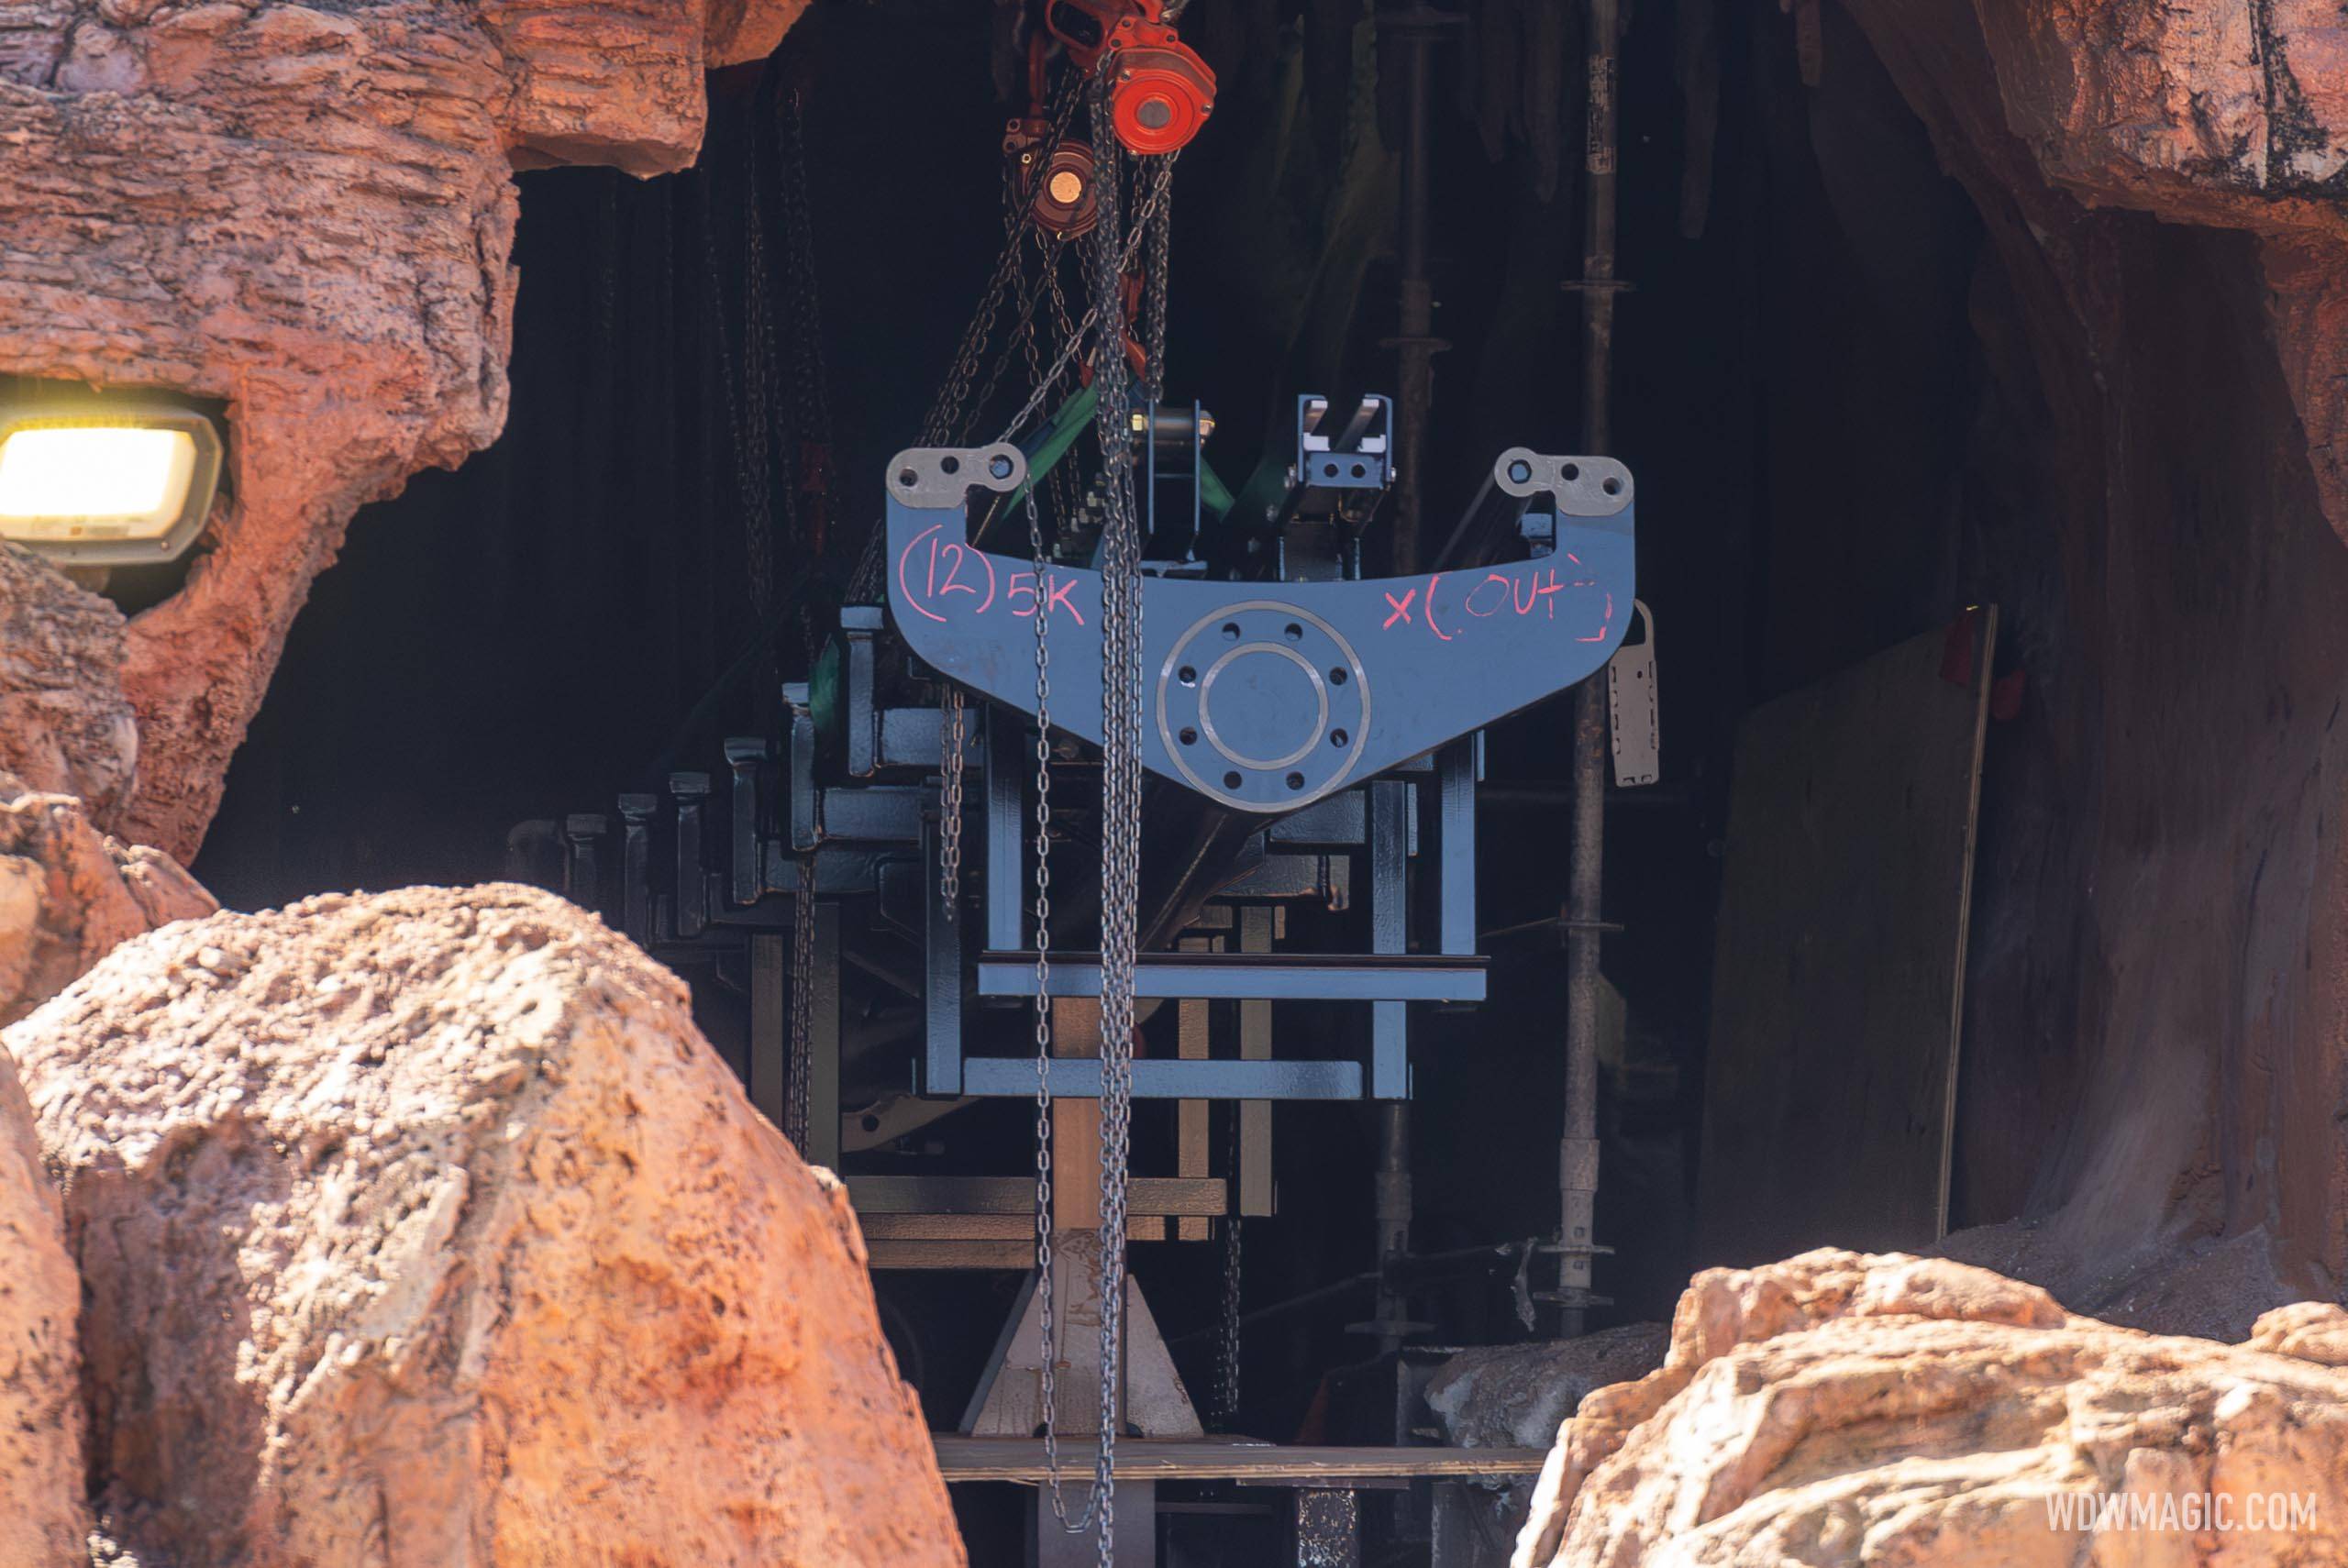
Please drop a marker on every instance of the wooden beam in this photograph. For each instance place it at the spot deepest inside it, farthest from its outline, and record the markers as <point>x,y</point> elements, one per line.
<point>1076,1122</point>
<point>873,1195</point>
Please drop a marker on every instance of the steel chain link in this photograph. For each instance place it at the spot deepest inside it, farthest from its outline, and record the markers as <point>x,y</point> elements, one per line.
<point>802,1004</point>
<point>953,730</point>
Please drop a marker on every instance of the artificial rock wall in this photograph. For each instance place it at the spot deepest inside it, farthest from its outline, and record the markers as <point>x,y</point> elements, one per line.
<point>2148,483</point>
<point>306,211</point>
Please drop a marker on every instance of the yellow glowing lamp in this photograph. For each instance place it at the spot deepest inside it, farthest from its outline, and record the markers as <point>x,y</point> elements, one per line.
<point>107,484</point>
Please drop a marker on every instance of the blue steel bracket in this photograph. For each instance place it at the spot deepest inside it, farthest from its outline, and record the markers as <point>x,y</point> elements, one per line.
<point>1269,696</point>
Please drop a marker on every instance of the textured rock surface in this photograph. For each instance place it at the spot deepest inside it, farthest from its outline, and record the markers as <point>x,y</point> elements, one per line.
<point>64,724</point>
<point>307,212</point>
<point>68,895</point>
<point>2209,112</point>
<point>2152,478</point>
<point>2202,1286</point>
<point>1515,1396</point>
<point>1839,1409</point>
<point>41,1519</point>
<point>424,1228</point>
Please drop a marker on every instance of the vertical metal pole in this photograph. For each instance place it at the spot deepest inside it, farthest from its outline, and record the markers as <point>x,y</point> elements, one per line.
<point>1414,28</point>
<point>1578,1150</point>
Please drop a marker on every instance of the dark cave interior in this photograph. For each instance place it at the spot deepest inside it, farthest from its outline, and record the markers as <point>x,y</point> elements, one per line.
<point>563,618</point>
<point>1822,382</point>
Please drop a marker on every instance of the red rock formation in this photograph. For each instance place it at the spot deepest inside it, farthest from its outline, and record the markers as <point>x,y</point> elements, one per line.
<point>426,1228</point>
<point>307,212</point>
<point>1839,1410</point>
<point>64,726</point>
<point>2159,975</point>
<point>70,895</point>
<point>42,1520</point>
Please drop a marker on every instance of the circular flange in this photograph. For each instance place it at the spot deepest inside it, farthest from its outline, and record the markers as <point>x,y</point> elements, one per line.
<point>1263,706</point>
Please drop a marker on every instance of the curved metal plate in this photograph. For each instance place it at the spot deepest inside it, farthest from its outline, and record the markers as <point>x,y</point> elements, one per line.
<point>1296,688</point>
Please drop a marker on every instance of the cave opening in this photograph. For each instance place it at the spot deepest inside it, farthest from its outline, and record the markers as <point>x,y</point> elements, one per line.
<point>1858,407</point>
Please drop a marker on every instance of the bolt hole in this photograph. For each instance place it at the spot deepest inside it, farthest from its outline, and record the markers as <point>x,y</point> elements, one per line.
<point>1231,781</point>
<point>1571,471</point>
<point>907,478</point>
<point>1612,487</point>
<point>1337,677</point>
<point>1520,471</point>
<point>1190,736</point>
<point>1296,780</point>
<point>1359,470</point>
<point>1337,737</point>
<point>951,465</point>
<point>1330,469</point>
<point>1187,675</point>
<point>999,465</point>
<point>1295,633</point>
<point>1231,630</point>
<point>873,1124</point>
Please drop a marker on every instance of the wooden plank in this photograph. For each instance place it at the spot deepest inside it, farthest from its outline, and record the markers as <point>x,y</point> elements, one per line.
<point>873,1195</point>
<point>1076,1122</point>
<point>1839,969</point>
<point>1022,1458</point>
<point>886,1252</point>
<point>1190,1116</point>
<point>1257,1196</point>
<point>1018,1228</point>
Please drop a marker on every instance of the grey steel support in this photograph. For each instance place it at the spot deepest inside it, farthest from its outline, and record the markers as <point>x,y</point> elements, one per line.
<point>1009,882</point>
<point>691,792</point>
<point>822,1147</point>
<point>635,865</point>
<point>743,754</point>
<point>942,978</point>
<point>583,833</point>
<point>1577,1149</point>
<point>858,625</point>
<point>770,1023</point>
<point>1389,846</point>
<point>1390,806</point>
<point>1455,847</point>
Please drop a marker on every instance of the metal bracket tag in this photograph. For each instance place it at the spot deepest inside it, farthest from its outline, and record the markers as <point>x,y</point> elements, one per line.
<point>1630,707</point>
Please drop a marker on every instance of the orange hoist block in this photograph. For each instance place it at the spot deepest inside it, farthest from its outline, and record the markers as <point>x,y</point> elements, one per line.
<point>1160,92</point>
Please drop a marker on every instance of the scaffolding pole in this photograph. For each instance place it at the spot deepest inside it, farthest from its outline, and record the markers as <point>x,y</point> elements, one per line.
<point>1577,1149</point>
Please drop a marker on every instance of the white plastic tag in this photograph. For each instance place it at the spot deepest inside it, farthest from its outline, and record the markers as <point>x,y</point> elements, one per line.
<point>1630,707</point>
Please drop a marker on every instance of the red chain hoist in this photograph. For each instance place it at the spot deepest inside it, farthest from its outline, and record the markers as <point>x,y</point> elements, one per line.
<point>1160,92</point>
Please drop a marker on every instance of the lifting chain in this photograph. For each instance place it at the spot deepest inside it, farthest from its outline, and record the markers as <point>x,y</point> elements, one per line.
<point>1018,221</point>
<point>1121,652</point>
<point>1226,1359</point>
<point>802,1004</point>
<point>953,730</point>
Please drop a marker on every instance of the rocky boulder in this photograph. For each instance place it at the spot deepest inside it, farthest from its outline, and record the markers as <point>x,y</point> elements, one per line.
<point>424,1228</point>
<point>65,726</point>
<point>1838,1409</point>
<point>69,894</point>
<point>40,1407</point>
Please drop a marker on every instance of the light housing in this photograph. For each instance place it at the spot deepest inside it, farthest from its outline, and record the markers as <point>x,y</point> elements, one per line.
<point>106,482</point>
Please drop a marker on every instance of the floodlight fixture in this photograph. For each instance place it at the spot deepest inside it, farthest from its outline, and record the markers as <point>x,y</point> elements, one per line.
<point>106,482</point>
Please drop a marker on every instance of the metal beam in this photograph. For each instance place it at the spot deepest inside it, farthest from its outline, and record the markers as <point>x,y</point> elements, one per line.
<point>1225,977</point>
<point>1015,1076</point>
